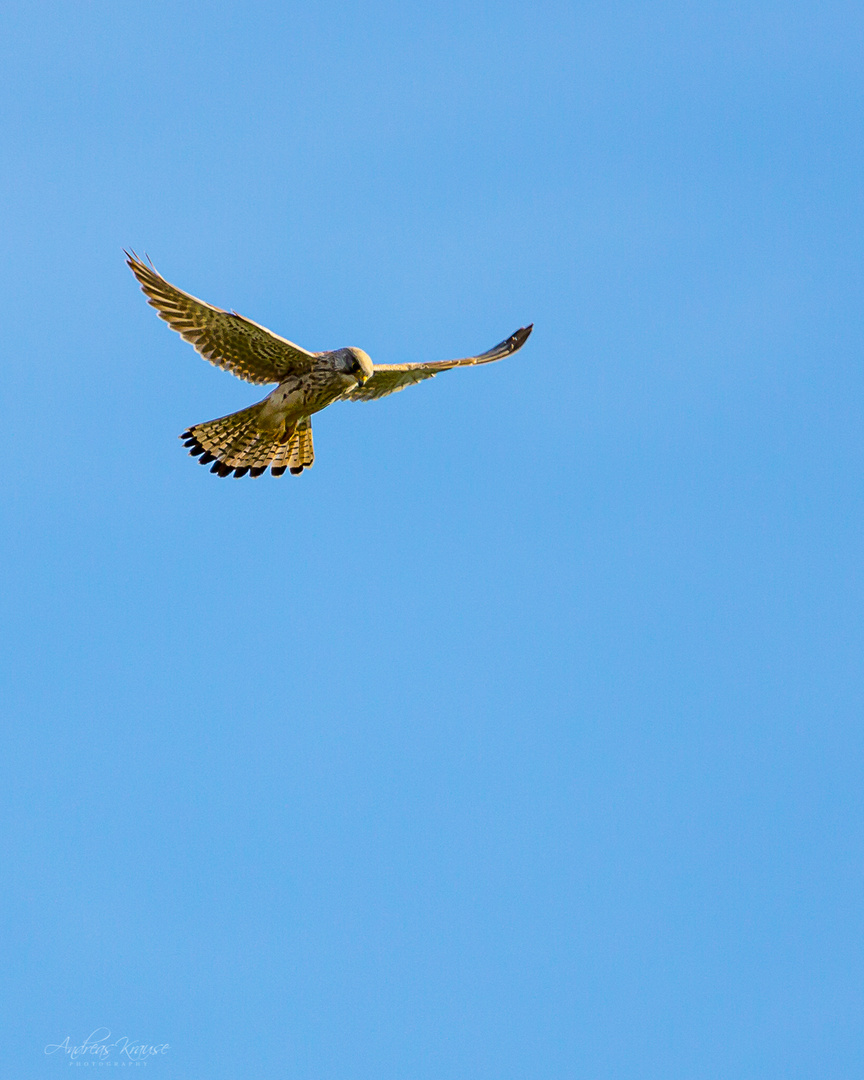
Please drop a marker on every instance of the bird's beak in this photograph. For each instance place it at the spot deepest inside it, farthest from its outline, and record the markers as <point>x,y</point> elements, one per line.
<point>361,378</point>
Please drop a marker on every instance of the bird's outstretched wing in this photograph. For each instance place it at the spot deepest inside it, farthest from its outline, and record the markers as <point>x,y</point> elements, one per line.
<point>226,339</point>
<point>388,378</point>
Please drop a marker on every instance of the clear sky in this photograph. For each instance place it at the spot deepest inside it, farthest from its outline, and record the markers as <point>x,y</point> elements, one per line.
<point>522,736</point>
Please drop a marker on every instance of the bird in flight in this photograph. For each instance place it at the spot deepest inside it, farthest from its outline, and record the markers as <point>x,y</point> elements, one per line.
<point>276,433</point>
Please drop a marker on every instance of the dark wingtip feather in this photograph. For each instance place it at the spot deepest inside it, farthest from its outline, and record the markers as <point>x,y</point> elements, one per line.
<point>521,336</point>
<point>242,471</point>
<point>296,471</point>
<point>277,470</point>
<point>206,458</point>
<point>258,470</point>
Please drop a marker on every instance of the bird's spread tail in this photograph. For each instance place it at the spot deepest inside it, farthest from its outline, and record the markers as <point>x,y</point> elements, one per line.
<point>236,444</point>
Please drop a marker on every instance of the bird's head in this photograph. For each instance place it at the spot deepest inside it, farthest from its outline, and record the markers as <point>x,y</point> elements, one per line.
<point>357,363</point>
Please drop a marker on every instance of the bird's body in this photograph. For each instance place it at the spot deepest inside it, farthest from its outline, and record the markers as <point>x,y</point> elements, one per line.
<point>330,378</point>
<point>276,433</point>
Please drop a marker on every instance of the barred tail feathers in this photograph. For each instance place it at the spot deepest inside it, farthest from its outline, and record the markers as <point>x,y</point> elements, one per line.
<point>236,444</point>
<point>296,452</point>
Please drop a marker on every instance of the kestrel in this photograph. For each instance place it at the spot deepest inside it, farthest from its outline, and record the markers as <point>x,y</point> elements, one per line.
<point>277,432</point>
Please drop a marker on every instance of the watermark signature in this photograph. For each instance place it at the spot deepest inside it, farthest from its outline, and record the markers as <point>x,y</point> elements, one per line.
<point>99,1049</point>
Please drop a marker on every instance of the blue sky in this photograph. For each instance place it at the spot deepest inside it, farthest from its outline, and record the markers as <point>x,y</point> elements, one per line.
<point>521,736</point>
